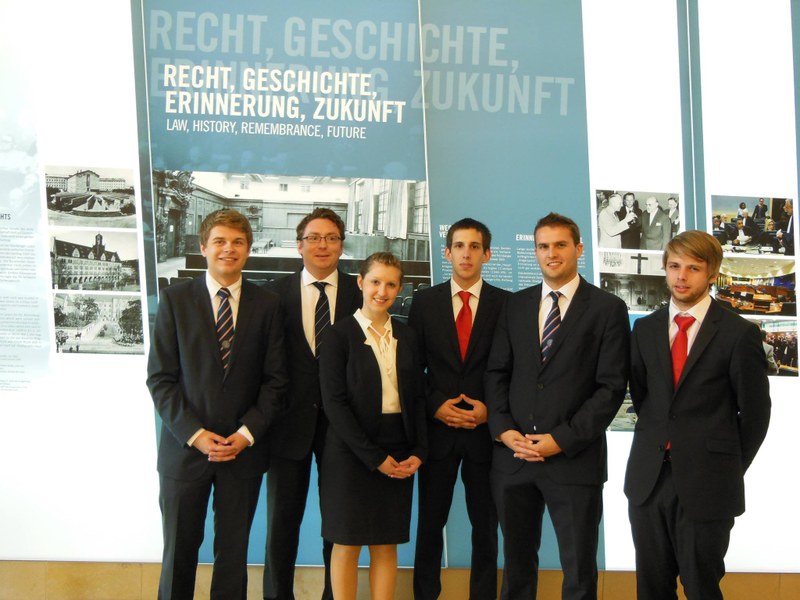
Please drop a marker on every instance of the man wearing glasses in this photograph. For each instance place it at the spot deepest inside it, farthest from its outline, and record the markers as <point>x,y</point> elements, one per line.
<point>311,300</point>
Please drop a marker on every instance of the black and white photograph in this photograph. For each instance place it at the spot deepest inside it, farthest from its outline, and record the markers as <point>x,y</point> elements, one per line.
<point>763,285</point>
<point>85,259</point>
<point>634,220</point>
<point>635,277</point>
<point>98,323</point>
<point>779,338</point>
<point>753,225</point>
<point>379,214</point>
<point>93,197</point>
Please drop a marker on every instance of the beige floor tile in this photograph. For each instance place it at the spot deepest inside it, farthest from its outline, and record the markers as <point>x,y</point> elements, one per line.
<point>94,581</point>
<point>790,586</point>
<point>150,574</point>
<point>23,579</point>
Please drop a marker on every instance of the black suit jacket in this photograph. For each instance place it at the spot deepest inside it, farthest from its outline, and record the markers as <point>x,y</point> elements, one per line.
<point>190,388</point>
<point>447,376</point>
<point>575,395</point>
<point>293,437</point>
<point>350,379</point>
<point>715,420</point>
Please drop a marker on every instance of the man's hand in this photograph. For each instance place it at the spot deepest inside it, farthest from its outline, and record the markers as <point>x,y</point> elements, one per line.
<point>533,447</point>
<point>544,444</point>
<point>479,410</point>
<point>218,448</point>
<point>207,441</point>
<point>452,416</point>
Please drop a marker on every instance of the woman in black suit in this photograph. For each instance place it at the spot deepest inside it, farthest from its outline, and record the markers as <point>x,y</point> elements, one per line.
<point>372,393</point>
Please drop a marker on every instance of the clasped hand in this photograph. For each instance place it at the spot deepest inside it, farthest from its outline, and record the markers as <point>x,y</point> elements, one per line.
<point>532,447</point>
<point>452,416</point>
<point>218,448</point>
<point>400,470</point>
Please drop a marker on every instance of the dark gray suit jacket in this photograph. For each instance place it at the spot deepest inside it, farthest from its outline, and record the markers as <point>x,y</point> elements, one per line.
<point>293,437</point>
<point>575,395</point>
<point>447,375</point>
<point>191,390</point>
<point>715,420</point>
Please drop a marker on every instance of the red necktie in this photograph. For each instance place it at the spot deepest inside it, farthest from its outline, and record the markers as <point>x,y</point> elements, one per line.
<point>464,323</point>
<point>680,347</point>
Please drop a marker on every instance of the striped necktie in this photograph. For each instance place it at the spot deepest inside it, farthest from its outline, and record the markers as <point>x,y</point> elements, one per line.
<point>551,325</point>
<point>225,326</point>
<point>322,315</point>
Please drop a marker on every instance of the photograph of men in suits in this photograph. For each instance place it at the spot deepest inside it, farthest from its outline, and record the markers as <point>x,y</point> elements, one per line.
<point>760,210</point>
<point>556,376</point>
<point>700,389</point>
<point>217,376</point>
<point>631,237</point>
<point>454,322</point>
<point>656,226</point>
<point>300,433</point>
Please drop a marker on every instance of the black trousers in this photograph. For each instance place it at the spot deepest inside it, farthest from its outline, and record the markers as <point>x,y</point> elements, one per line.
<point>669,544</point>
<point>287,492</point>
<point>183,513</point>
<point>575,510</point>
<point>437,479</point>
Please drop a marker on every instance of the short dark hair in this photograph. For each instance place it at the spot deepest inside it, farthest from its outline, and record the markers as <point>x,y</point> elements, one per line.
<point>626,194</point>
<point>698,245</point>
<point>320,213</point>
<point>227,217</point>
<point>384,258</point>
<point>763,335</point>
<point>557,220</point>
<point>468,223</point>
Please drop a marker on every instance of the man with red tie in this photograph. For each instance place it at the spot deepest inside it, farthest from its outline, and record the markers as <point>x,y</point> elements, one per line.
<point>454,322</point>
<point>699,386</point>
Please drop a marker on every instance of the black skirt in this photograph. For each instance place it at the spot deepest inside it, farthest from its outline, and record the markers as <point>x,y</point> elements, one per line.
<point>362,507</point>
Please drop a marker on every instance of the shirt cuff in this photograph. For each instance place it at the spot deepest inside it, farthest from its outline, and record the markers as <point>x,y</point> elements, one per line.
<point>246,433</point>
<point>195,436</point>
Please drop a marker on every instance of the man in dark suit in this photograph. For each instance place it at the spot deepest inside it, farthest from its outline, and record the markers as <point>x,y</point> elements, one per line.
<point>300,433</point>
<point>217,384</point>
<point>454,336</point>
<point>656,226</point>
<point>785,235</point>
<point>760,210</point>
<point>631,237</point>
<point>699,386</point>
<point>556,376</point>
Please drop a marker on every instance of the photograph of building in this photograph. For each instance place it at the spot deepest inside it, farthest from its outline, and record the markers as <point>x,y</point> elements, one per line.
<point>98,324</point>
<point>82,260</point>
<point>90,197</point>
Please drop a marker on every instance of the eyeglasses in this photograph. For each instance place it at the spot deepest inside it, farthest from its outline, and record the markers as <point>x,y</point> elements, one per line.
<point>316,239</point>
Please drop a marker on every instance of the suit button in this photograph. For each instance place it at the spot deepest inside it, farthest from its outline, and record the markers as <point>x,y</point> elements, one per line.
<point>314,405</point>
<point>530,417</point>
<point>661,448</point>
<point>539,386</point>
<point>673,417</point>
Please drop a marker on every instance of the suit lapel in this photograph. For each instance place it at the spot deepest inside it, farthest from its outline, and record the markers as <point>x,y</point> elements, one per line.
<point>708,330</point>
<point>346,296</point>
<point>577,308</point>
<point>243,318</point>
<point>443,306</point>
<point>659,338</point>
<point>205,309</point>
<point>294,311</point>
<point>487,305</point>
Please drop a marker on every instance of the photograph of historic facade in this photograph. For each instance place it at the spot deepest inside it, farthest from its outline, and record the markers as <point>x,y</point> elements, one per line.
<point>90,197</point>
<point>109,261</point>
<point>98,324</point>
<point>379,215</point>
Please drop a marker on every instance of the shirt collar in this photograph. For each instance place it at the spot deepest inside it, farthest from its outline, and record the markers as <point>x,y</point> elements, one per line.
<point>567,290</point>
<point>214,286</point>
<point>366,325</point>
<point>308,278</point>
<point>475,290</point>
<point>698,311</point>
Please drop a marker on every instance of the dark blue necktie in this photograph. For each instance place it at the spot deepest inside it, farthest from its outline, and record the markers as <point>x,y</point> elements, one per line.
<point>322,315</point>
<point>551,325</point>
<point>225,325</point>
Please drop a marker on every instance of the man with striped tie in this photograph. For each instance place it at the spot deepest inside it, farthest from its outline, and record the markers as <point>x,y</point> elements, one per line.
<point>311,299</point>
<point>217,375</point>
<point>557,374</point>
